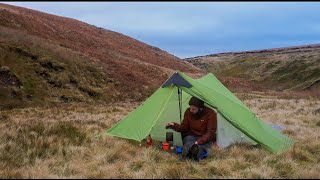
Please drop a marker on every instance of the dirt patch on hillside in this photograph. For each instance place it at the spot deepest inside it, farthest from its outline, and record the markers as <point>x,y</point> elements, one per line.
<point>7,78</point>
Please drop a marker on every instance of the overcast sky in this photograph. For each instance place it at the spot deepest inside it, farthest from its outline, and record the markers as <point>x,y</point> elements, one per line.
<point>188,29</point>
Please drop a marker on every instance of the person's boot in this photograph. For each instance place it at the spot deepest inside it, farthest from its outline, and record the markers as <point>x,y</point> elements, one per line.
<point>194,151</point>
<point>185,153</point>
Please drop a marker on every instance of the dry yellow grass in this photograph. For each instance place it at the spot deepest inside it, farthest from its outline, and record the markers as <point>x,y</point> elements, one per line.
<point>60,142</point>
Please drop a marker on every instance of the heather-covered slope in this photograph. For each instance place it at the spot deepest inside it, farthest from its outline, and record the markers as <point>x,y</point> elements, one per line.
<point>57,59</point>
<point>292,68</point>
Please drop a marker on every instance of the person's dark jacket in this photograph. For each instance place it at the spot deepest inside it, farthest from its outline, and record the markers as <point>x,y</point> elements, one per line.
<point>204,128</point>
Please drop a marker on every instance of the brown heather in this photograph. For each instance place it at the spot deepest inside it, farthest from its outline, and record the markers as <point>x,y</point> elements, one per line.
<point>61,142</point>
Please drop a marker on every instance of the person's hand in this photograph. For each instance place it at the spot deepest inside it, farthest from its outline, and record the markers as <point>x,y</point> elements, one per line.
<point>196,142</point>
<point>169,124</point>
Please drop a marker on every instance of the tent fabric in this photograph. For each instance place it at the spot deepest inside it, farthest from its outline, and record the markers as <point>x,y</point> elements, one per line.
<point>139,123</point>
<point>163,106</point>
<point>177,80</point>
<point>228,135</point>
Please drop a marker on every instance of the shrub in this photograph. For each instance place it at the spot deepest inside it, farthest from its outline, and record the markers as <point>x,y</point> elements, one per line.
<point>29,86</point>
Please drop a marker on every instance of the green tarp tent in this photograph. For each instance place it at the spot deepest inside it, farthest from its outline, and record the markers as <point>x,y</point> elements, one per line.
<point>236,122</point>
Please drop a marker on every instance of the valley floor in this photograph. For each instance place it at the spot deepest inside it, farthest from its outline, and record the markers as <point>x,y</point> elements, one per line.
<point>60,142</point>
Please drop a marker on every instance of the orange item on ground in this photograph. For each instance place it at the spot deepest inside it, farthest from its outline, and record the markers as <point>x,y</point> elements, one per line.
<point>165,146</point>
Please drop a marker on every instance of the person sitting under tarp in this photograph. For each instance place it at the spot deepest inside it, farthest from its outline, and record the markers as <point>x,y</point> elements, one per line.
<point>198,128</point>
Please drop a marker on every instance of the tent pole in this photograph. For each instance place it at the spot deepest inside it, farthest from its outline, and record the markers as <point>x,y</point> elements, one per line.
<point>180,102</point>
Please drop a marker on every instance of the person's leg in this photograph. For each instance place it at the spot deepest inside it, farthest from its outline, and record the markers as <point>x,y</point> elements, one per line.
<point>203,149</point>
<point>188,141</point>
